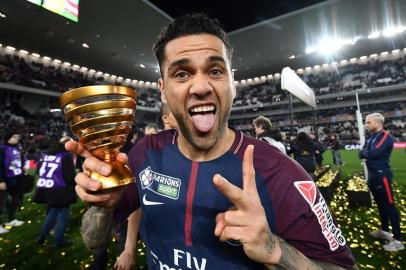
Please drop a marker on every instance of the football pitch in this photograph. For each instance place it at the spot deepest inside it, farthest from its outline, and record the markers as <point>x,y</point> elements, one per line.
<point>18,249</point>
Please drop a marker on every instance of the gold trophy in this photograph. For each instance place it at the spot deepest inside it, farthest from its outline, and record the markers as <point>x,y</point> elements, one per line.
<point>101,117</point>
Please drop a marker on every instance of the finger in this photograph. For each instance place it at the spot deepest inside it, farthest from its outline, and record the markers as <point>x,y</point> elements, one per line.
<point>116,264</point>
<point>232,233</point>
<point>248,172</point>
<point>234,218</point>
<point>96,165</point>
<point>220,224</point>
<point>122,158</point>
<point>87,183</point>
<point>232,192</point>
<point>91,198</point>
<point>77,148</point>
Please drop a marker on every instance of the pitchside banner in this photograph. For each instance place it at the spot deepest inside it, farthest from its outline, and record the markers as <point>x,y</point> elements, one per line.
<point>396,145</point>
<point>297,87</point>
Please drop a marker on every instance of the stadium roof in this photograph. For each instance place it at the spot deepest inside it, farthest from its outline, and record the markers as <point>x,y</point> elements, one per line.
<point>264,34</point>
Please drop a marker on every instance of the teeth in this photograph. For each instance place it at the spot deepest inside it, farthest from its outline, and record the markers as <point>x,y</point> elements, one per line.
<point>198,109</point>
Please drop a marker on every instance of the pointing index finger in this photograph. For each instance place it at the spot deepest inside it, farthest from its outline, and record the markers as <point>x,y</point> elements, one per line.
<point>232,192</point>
<point>248,172</point>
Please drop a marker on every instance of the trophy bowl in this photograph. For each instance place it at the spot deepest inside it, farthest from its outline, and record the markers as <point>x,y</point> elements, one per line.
<point>101,117</point>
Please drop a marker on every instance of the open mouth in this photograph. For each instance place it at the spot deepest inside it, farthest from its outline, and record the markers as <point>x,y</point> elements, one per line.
<point>203,117</point>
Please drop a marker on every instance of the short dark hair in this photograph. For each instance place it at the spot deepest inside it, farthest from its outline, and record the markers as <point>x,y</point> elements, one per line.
<point>263,122</point>
<point>186,25</point>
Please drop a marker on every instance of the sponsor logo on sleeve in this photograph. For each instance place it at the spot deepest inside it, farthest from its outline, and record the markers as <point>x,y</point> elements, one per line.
<point>160,184</point>
<point>330,231</point>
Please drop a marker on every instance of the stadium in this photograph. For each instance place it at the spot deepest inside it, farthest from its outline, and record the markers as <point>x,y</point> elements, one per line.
<point>347,60</point>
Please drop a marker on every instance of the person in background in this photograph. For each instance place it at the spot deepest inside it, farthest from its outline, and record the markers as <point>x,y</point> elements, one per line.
<point>151,129</point>
<point>318,149</point>
<point>376,152</point>
<point>264,132</point>
<point>11,172</point>
<point>56,188</point>
<point>335,146</point>
<point>303,151</point>
<point>168,120</point>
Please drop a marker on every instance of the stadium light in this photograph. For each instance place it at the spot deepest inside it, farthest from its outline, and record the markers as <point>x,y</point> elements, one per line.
<point>316,67</point>
<point>10,48</point>
<point>374,35</point>
<point>334,63</point>
<point>353,59</point>
<point>23,51</point>
<point>310,50</point>
<point>85,45</point>
<point>343,62</point>
<point>363,57</point>
<point>135,81</point>
<point>92,71</point>
<point>300,70</point>
<point>308,68</point>
<point>243,81</point>
<point>325,65</point>
<point>46,58</point>
<point>57,61</point>
<point>141,82</point>
<point>292,56</point>
<point>269,76</point>
<point>373,55</point>
<point>277,74</point>
<point>113,76</point>
<point>76,66</point>
<point>36,55</point>
<point>384,53</point>
<point>66,64</point>
<point>256,79</point>
<point>391,31</point>
<point>120,78</point>
<point>142,66</point>
<point>249,80</point>
<point>396,51</point>
<point>154,84</point>
<point>147,83</point>
<point>83,68</point>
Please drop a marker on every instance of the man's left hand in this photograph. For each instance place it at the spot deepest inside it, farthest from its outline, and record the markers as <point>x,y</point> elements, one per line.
<point>246,221</point>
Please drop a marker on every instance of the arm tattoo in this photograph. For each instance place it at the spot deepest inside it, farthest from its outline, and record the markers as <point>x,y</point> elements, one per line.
<point>270,244</point>
<point>97,224</point>
<point>293,259</point>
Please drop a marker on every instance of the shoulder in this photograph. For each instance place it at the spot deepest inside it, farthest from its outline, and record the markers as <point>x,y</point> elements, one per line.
<point>150,142</point>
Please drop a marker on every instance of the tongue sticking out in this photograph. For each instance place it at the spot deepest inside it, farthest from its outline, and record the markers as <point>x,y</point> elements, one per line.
<point>203,122</point>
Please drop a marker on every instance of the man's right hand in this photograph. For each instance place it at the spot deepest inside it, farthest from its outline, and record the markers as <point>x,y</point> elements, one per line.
<point>87,188</point>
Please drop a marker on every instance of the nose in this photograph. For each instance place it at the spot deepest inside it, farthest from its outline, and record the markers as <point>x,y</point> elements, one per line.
<point>201,86</point>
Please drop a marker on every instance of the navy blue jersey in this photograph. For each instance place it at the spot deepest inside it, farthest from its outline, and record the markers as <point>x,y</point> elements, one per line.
<point>377,151</point>
<point>180,202</point>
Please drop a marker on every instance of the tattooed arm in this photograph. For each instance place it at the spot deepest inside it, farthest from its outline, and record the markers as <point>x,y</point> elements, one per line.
<point>291,258</point>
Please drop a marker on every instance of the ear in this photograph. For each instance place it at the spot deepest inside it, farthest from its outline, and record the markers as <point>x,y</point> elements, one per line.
<point>161,88</point>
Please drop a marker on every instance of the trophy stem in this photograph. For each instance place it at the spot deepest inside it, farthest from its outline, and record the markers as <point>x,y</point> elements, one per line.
<point>109,156</point>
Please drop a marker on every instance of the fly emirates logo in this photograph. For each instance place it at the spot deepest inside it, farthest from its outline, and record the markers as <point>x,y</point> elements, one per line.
<point>181,259</point>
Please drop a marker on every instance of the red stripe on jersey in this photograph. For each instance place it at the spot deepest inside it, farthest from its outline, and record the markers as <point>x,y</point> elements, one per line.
<point>385,135</point>
<point>387,188</point>
<point>189,203</point>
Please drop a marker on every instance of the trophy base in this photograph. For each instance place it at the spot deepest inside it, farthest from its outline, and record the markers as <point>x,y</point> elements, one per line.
<point>120,176</point>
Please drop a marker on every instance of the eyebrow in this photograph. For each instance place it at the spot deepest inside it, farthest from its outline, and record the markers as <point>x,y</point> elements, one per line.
<point>186,61</point>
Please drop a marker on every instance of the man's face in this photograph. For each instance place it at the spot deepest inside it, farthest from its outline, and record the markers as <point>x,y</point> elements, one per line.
<point>14,139</point>
<point>150,131</point>
<point>372,125</point>
<point>258,130</point>
<point>198,86</point>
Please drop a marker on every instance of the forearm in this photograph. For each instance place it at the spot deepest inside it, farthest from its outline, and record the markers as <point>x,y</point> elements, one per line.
<point>132,231</point>
<point>292,259</point>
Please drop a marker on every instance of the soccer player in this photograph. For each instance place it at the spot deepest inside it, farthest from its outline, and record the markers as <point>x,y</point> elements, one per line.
<point>211,197</point>
<point>377,151</point>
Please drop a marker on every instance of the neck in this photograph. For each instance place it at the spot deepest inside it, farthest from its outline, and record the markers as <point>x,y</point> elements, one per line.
<point>378,130</point>
<point>218,149</point>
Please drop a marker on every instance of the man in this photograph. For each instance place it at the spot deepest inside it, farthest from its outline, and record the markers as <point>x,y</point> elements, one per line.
<point>318,149</point>
<point>151,129</point>
<point>209,201</point>
<point>55,188</point>
<point>168,120</point>
<point>377,151</point>
<point>264,132</point>
<point>11,171</point>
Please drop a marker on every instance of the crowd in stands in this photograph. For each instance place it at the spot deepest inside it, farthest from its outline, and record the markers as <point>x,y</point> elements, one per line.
<point>370,73</point>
